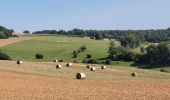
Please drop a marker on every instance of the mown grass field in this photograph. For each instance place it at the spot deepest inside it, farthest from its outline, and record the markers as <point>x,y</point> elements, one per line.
<point>56,47</point>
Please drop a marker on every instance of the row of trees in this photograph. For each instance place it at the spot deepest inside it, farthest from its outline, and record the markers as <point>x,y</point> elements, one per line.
<point>5,33</point>
<point>149,35</point>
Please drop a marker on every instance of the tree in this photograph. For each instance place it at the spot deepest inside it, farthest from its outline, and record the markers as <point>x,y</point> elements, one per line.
<point>39,56</point>
<point>75,54</point>
<point>89,56</point>
<point>4,56</point>
<point>98,36</point>
<point>142,50</point>
<point>132,40</point>
<point>156,54</point>
<point>26,32</point>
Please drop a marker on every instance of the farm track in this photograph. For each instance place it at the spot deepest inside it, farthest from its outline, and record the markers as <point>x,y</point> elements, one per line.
<point>20,86</point>
<point>4,42</point>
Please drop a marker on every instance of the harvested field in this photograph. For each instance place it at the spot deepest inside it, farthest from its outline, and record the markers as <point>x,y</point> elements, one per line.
<point>41,81</point>
<point>30,87</point>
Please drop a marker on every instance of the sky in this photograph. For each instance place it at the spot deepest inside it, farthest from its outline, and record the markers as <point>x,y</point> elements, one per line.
<point>34,15</point>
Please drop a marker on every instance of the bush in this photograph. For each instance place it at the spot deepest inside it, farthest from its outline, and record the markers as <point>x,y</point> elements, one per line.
<point>74,61</point>
<point>108,62</point>
<point>39,56</point>
<point>75,54</point>
<point>4,56</point>
<point>82,48</point>
<point>89,56</point>
<point>60,60</point>
<point>91,61</point>
<point>163,70</point>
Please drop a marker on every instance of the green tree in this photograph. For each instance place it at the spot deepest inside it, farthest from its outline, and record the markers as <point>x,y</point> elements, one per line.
<point>142,50</point>
<point>26,32</point>
<point>75,54</point>
<point>132,40</point>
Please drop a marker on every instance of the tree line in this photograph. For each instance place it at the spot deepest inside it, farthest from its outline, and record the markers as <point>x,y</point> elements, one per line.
<point>149,35</point>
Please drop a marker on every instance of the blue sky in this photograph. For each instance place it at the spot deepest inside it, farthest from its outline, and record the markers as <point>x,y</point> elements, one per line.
<point>84,14</point>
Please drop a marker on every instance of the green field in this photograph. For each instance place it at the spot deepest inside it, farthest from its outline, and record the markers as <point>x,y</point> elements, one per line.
<point>56,47</point>
<point>61,47</point>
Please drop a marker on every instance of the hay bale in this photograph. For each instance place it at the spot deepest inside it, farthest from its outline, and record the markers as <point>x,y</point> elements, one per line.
<point>55,60</point>
<point>80,76</point>
<point>93,68</point>
<point>103,67</point>
<point>88,66</point>
<point>69,64</point>
<point>19,61</point>
<point>133,74</point>
<point>58,66</point>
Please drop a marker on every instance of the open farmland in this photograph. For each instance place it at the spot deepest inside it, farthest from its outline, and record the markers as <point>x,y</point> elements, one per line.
<point>41,81</point>
<point>56,47</point>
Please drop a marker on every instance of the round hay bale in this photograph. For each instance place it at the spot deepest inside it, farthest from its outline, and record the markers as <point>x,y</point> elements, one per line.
<point>93,69</point>
<point>55,60</point>
<point>58,66</point>
<point>19,61</point>
<point>80,76</point>
<point>88,66</point>
<point>103,67</point>
<point>133,74</point>
<point>69,64</point>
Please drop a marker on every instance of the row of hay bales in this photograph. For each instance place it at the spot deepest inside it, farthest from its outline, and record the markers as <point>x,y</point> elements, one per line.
<point>80,75</point>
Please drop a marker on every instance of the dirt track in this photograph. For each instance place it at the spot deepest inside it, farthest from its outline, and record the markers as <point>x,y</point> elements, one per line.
<point>4,42</point>
<point>16,86</point>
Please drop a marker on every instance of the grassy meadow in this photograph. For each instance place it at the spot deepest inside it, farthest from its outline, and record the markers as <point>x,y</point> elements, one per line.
<point>56,47</point>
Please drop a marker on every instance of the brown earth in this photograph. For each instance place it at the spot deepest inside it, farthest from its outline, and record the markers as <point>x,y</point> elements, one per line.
<point>15,85</point>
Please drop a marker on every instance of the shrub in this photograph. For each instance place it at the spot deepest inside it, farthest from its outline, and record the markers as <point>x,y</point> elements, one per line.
<point>39,56</point>
<point>74,61</point>
<point>60,60</point>
<point>142,50</point>
<point>82,48</point>
<point>108,62</point>
<point>162,70</point>
<point>89,56</point>
<point>91,61</point>
<point>75,54</point>
<point>4,56</point>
